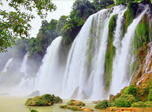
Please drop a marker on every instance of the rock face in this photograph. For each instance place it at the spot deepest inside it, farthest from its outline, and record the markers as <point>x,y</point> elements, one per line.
<point>35,93</point>
<point>45,100</point>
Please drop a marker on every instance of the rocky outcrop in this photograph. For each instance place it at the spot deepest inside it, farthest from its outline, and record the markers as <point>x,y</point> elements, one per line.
<point>45,100</point>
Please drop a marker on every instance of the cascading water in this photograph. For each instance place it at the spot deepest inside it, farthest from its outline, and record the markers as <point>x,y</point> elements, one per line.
<point>119,75</point>
<point>7,65</point>
<point>25,87</point>
<point>78,82</point>
<point>24,64</point>
<point>49,77</point>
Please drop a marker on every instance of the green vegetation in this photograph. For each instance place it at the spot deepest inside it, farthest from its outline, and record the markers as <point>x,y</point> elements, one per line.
<point>130,14</point>
<point>124,101</point>
<point>142,36</point>
<point>15,23</point>
<point>63,106</point>
<point>150,95</point>
<point>138,104</point>
<point>101,4</point>
<point>131,90</point>
<point>148,104</point>
<point>33,110</point>
<point>75,108</point>
<point>133,1</point>
<point>75,103</point>
<point>110,51</point>
<point>45,100</point>
<point>104,104</point>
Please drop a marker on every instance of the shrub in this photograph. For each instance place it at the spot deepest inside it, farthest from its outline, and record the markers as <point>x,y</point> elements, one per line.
<point>124,100</point>
<point>57,100</point>
<point>70,102</point>
<point>138,104</point>
<point>75,108</point>
<point>131,90</point>
<point>102,105</point>
<point>150,95</point>
<point>148,104</point>
<point>63,106</point>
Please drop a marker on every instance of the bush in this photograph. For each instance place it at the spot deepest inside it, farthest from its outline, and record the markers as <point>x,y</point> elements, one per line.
<point>63,106</point>
<point>138,104</point>
<point>75,108</point>
<point>70,102</point>
<point>124,100</point>
<point>148,104</point>
<point>57,100</point>
<point>150,95</point>
<point>131,90</point>
<point>102,105</point>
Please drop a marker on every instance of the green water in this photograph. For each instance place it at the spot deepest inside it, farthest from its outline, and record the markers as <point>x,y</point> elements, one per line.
<point>16,104</point>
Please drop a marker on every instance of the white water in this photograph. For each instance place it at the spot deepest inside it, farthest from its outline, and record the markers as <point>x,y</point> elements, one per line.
<point>24,64</point>
<point>7,65</point>
<point>120,67</point>
<point>49,77</point>
<point>24,88</point>
<point>76,77</point>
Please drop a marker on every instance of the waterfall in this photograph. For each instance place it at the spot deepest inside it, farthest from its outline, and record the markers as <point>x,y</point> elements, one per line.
<point>123,58</point>
<point>49,77</point>
<point>7,65</point>
<point>91,41</point>
<point>24,64</point>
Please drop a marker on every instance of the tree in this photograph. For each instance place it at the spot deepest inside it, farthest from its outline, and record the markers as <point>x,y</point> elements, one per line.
<point>82,9</point>
<point>15,23</point>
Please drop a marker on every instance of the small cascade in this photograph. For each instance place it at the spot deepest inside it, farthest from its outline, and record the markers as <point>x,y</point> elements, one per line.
<point>147,66</point>
<point>49,77</point>
<point>7,65</point>
<point>120,77</point>
<point>24,64</point>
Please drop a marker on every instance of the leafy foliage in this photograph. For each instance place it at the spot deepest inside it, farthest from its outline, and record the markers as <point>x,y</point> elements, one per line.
<point>124,101</point>
<point>15,23</point>
<point>150,95</point>
<point>82,9</point>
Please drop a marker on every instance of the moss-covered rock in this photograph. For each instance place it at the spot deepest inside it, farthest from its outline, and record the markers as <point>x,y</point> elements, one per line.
<point>75,103</point>
<point>45,100</point>
<point>124,100</point>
